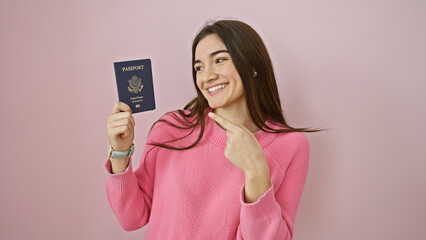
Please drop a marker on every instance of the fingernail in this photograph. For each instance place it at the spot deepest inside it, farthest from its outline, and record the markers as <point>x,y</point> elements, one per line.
<point>210,114</point>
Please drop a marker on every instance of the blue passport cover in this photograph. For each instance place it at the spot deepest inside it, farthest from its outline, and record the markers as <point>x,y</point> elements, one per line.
<point>134,84</point>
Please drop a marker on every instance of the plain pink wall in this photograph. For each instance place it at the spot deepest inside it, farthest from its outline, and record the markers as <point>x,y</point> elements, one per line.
<point>356,67</point>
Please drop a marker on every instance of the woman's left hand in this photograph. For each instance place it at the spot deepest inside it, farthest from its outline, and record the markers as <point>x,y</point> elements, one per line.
<point>242,148</point>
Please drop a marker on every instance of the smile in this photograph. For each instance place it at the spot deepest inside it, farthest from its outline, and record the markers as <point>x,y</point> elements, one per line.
<point>216,89</point>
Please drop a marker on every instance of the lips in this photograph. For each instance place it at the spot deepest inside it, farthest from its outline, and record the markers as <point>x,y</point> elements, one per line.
<point>216,88</point>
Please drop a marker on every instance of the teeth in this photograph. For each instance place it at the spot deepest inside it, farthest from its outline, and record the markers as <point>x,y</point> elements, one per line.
<point>213,89</point>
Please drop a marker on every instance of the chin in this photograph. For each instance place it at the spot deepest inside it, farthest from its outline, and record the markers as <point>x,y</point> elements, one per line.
<point>215,105</point>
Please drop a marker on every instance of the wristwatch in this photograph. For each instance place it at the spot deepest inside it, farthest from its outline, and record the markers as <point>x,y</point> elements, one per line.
<point>120,154</point>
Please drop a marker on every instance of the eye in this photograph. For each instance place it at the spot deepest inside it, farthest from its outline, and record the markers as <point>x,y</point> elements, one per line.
<point>219,60</point>
<point>198,68</point>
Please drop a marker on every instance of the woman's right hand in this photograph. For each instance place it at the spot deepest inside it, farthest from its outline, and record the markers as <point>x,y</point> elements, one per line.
<point>120,125</point>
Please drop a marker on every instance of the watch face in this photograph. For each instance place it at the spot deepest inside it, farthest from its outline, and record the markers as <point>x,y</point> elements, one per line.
<point>109,150</point>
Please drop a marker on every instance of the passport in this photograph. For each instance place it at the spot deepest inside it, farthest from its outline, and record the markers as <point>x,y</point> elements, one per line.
<point>134,84</point>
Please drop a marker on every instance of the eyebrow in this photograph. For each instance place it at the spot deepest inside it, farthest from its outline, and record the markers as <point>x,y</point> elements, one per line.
<point>212,55</point>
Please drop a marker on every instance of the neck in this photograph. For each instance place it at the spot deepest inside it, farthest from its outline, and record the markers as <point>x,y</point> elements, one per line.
<point>238,115</point>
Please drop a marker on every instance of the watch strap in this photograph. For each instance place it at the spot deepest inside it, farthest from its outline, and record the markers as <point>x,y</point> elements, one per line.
<point>121,154</point>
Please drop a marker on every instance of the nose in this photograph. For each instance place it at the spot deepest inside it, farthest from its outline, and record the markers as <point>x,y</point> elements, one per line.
<point>209,74</point>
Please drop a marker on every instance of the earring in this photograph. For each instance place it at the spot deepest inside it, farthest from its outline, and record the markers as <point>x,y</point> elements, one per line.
<point>255,74</point>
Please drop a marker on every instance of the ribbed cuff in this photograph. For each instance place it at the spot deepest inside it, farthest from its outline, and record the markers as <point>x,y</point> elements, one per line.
<point>108,167</point>
<point>119,182</point>
<point>264,206</point>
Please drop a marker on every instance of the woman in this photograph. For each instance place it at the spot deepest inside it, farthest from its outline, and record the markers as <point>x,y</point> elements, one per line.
<point>228,166</point>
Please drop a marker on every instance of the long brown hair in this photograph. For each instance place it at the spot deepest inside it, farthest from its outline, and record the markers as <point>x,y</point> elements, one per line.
<point>248,54</point>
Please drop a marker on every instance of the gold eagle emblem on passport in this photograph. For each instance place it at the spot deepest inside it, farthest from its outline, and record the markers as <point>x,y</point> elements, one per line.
<point>135,84</point>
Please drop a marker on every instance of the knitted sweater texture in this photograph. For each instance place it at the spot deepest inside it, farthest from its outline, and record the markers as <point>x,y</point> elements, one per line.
<point>199,194</point>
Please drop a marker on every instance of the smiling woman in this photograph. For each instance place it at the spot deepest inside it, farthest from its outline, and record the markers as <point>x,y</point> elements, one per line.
<point>237,174</point>
<point>217,77</point>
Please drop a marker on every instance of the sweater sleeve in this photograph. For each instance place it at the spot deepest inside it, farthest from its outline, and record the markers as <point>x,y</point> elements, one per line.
<point>273,215</point>
<point>130,193</point>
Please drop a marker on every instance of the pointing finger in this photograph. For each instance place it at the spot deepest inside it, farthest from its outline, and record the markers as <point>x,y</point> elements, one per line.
<point>223,122</point>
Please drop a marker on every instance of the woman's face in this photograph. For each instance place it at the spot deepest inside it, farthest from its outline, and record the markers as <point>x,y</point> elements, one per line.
<point>217,77</point>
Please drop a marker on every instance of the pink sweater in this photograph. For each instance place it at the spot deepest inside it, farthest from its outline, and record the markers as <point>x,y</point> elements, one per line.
<point>199,194</point>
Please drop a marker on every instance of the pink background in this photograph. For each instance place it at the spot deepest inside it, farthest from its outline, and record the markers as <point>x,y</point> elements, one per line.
<point>356,67</point>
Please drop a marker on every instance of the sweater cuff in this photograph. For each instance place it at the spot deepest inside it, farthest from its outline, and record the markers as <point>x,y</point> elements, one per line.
<point>108,167</point>
<point>119,182</point>
<point>264,206</point>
